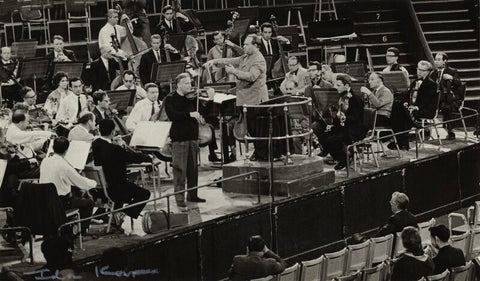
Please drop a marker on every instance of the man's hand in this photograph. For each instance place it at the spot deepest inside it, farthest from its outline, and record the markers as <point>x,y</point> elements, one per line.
<point>405,104</point>
<point>365,90</point>
<point>170,48</point>
<point>229,69</point>
<point>229,43</point>
<point>283,39</point>
<point>182,16</point>
<point>196,115</point>
<point>447,76</point>
<point>33,162</point>
<point>124,17</point>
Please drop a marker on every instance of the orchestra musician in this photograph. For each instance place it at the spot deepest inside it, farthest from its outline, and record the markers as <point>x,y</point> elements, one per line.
<point>9,87</point>
<point>102,106</point>
<point>29,97</point>
<point>155,55</point>
<point>268,45</point>
<point>83,130</point>
<point>110,30</point>
<point>104,69</point>
<point>316,76</point>
<point>144,109</point>
<point>296,73</point>
<point>170,24</point>
<point>130,83</point>
<point>184,135</point>
<point>250,72</point>
<point>60,81</point>
<point>135,9</point>
<point>347,125</point>
<point>74,104</point>
<point>59,53</point>
<point>218,52</point>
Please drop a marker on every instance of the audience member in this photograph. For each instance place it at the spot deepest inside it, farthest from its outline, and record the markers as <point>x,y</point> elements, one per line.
<point>448,256</point>
<point>414,263</point>
<point>258,262</point>
<point>401,217</point>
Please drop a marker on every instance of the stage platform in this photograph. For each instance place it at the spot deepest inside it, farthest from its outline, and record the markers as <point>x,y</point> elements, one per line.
<point>301,226</point>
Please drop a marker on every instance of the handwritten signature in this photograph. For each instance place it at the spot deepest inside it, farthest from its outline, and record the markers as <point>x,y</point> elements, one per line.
<point>121,273</point>
<point>56,276</point>
<point>46,274</point>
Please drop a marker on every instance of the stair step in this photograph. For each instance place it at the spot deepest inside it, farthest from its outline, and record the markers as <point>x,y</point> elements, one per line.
<point>434,1</point>
<point>443,21</point>
<point>461,70</point>
<point>470,79</point>
<point>448,31</point>
<point>442,12</point>
<point>376,22</point>
<point>451,41</point>
<point>458,51</point>
<point>376,11</point>
<point>381,33</point>
<point>463,60</point>
<point>443,15</point>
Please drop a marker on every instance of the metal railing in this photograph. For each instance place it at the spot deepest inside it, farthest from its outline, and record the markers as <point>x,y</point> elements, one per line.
<point>416,130</point>
<point>17,229</point>
<point>167,196</point>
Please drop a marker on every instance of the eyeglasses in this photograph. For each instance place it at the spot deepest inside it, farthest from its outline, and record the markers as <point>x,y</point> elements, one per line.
<point>31,97</point>
<point>390,56</point>
<point>419,69</point>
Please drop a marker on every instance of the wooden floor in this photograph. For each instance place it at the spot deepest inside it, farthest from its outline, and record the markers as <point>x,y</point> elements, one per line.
<point>219,203</point>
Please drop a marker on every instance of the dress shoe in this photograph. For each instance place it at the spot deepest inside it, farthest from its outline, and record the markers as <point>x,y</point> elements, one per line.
<point>340,165</point>
<point>196,199</point>
<point>181,204</point>
<point>329,161</point>
<point>214,158</point>
<point>451,136</point>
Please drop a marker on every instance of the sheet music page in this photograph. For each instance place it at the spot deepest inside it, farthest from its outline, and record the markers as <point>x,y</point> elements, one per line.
<point>220,97</point>
<point>151,134</point>
<point>3,168</point>
<point>77,154</point>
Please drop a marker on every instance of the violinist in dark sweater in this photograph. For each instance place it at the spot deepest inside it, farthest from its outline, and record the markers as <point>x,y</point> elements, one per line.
<point>448,256</point>
<point>184,135</point>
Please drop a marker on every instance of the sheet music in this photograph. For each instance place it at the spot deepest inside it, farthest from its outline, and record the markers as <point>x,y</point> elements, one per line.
<point>3,168</point>
<point>220,97</point>
<point>151,134</point>
<point>76,155</point>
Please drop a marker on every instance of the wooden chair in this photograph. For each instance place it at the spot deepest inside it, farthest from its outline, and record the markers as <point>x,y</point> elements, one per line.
<point>381,249</point>
<point>352,277</point>
<point>399,249</point>
<point>462,273</point>
<point>311,269</point>
<point>374,274</point>
<point>423,229</point>
<point>290,274</point>
<point>335,264</point>
<point>462,242</point>
<point>78,16</point>
<point>268,278</point>
<point>475,242</point>
<point>357,257</point>
<point>439,277</point>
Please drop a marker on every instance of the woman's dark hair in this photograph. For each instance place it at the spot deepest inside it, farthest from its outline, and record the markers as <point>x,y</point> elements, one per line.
<point>58,77</point>
<point>412,241</point>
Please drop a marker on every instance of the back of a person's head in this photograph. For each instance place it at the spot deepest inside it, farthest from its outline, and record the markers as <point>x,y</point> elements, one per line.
<point>256,243</point>
<point>401,200</point>
<point>441,232</point>
<point>411,240</point>
<point>115,258</point>
<point>57,253</point>
<point>106,126</point>
<point>18,116</point>
<point>60,145</point>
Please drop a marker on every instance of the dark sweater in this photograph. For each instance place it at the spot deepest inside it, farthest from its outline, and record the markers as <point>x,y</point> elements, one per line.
<point>408,268</point>
<point>178,108</point>
<point>447,258</point>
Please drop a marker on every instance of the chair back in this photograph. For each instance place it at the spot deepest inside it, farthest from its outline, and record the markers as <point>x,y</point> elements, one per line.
<point>96,173</point>
<point>381,248</point>
<point>423,229</point>
<point>30,13</point>
<point>374,274</point>
<point>268,278</point>
<point>311,269</point>
<point>475,242</point>
<point>93,50</point>
<point>352,277</point>
<point>439,277</point>
<point>369,119</point>
<point>461,273</point>
<point>399,249</point>
<point>335,264</point>
<point>290,274</point>
<point>462,242</point>
<point>357,257</point>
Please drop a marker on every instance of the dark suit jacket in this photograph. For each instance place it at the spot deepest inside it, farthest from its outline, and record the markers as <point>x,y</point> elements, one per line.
<point>275,50</point>
<point>185,26</point>
<point>98,76</point>
<point>408,268</point>
<point>114,160</point>
<point>353,129</point>
<point>447,258</point>
<point>98,116</point>
<point>448,88</point>
<point>427,98</point>
<point>397,223</point>
<point>68,53</point>
<point>246,267</point>
<point>146,62</point>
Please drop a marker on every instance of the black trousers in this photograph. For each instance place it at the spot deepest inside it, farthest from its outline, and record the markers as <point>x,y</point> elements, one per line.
<point>84,205</point>
<point>130,193</point>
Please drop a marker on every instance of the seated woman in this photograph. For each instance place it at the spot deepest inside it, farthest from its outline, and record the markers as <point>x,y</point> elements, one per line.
<point>414,263</point>
<point>60,81</point>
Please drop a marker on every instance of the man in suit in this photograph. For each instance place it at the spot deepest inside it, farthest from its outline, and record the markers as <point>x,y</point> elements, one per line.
<point>296,73</point>
<point>422,99</point>
<point>257,263</point>
<point>269,46</point>
<point>155,55</point>
<point>9,87</point>
<point>103,70</point>
<point>401,217</point>
<point>170,24</point>
<point>448,256</point>
<point>448,82</point>
<point>59,53</point>
<point>102,106</point>
<point>114,160</point>
<point>74,104</point>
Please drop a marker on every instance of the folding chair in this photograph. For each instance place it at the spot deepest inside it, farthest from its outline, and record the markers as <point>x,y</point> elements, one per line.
<point>461,94</point>
<point>335,264</point>
<point>475,243</point>
<point>375,274</point>
<point>462,242</point>
<point>433,121</point>
<point>78,16</point>
<point>381,249</point>
<point>423,229</point>
<point>357,257</point>
<point>399,249</point>
<point>290,274</point>
<point>311,270</point>
<point>352,277</point>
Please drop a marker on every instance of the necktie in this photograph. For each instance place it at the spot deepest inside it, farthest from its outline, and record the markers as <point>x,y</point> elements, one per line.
<point>153,110</point>
<point>159,58</point>
<point>270,52</point>
<point>79,107</point>
<point>415,91</point>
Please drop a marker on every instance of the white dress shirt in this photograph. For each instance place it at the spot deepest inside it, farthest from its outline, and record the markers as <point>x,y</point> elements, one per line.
<point>16,136</point>
<point>68,109</point>
<point>141,93</point>
<point>268,46</point>
<point>57,170</point>
<point>105,34</point>
<point>142,111</point>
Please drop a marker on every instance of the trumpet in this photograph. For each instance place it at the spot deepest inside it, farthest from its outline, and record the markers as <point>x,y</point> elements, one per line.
<point>61,58</point>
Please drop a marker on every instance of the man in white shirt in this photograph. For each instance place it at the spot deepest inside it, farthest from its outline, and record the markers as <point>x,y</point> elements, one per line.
<point>129,83</point>
<point>55,169</point>
<point>145,109</point>
<point>82,131</point>
<point>73,104</point>
<point>110,30</point>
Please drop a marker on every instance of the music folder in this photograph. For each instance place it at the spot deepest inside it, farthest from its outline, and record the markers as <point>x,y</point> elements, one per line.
<point>396,81</point>
<point>151,134</point>
<point>77,153</point>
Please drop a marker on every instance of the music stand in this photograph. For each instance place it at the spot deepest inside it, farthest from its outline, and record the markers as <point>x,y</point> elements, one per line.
<point>177,40</point>
<point>167,71</point>
<point>322,98</point>
<point>291,33</point>
<point>24,49</point>
<point>396,81</point>
<point>122,99</point>
<point>355,69</point>
<point>33,68</point>
<point>240,28</point>
<point>356,85</point>
<point>73,69</point>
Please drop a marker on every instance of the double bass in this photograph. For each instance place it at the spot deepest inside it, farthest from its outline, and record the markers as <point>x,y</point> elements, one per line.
<point>280,67</point>
<point>228,32</point>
